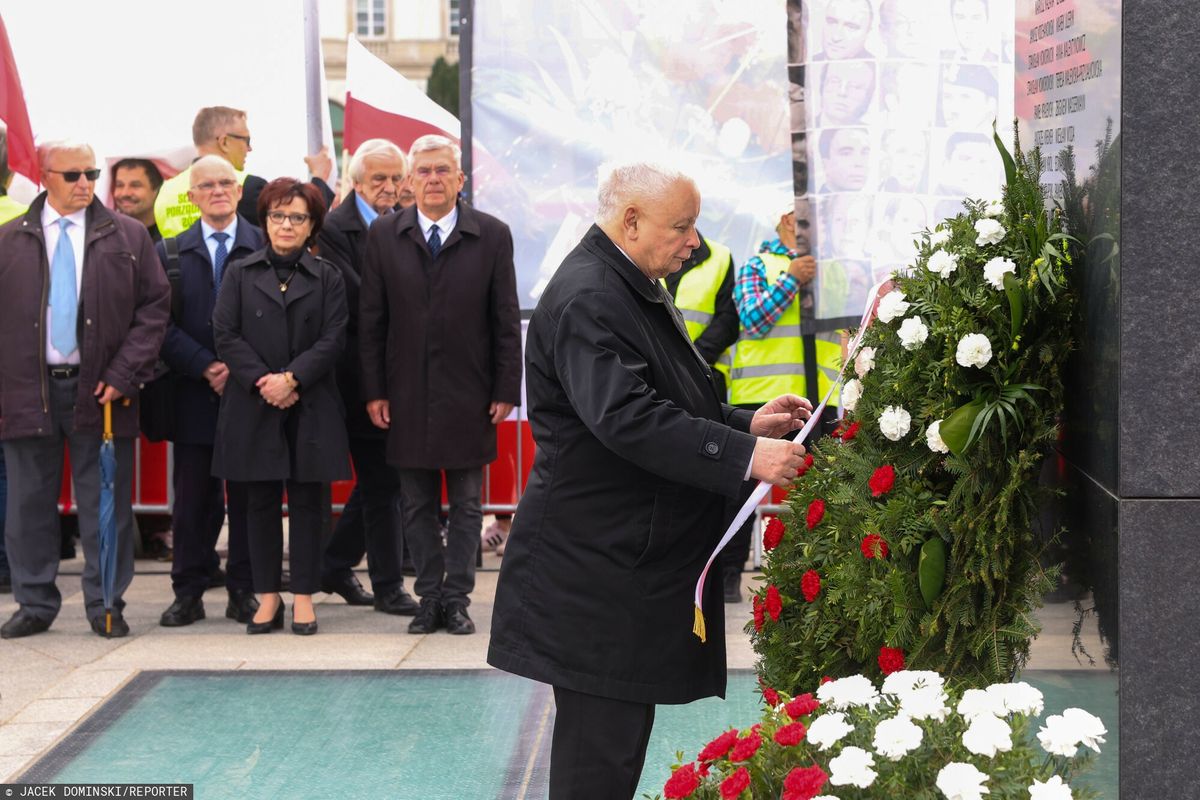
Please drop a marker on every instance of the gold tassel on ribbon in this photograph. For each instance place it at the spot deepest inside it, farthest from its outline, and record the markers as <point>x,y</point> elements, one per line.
<point>698,625</point>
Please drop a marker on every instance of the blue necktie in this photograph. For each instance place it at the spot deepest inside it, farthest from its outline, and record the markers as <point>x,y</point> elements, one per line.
<point>435,241</point>
<point>219,260</point>
<point>64,298</point>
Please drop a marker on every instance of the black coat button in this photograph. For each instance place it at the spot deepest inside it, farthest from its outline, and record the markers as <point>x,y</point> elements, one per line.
<point>712,448</point>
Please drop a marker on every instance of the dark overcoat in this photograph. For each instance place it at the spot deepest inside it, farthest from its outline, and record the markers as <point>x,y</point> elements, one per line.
<point>188,348</point>
<point>635,451</point>
<point>124,301</point>
<point>258,330</point>
<point>440,338</point>
<point>343,241</point>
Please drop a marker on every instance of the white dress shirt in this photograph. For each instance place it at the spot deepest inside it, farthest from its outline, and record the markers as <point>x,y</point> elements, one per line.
<point>445,224</point>
<point>207,232</point>
<point>76,234</point>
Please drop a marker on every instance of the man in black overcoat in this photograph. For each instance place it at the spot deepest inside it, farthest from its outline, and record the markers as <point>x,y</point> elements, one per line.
<point>635,455</point>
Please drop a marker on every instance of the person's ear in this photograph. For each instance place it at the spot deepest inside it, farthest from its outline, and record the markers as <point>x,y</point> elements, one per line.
<point>630,220</point>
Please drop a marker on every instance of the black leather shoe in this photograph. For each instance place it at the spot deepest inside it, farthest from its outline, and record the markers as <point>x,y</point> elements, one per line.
<point>184,611</point>
<point>397,602</point>
<point>119,626</point>
<point>21,624</point>
<point>216,578</point>
<point>242,605</point>
<point>303,628</point>
<point>732,585</point>
<point>457,621</point>
<point>429,618</point>
<point>273,624</point>
<point>350,590</point>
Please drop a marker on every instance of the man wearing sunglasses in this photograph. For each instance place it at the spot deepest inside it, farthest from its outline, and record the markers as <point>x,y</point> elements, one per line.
<point>223,131</point>
<point>86,306</point>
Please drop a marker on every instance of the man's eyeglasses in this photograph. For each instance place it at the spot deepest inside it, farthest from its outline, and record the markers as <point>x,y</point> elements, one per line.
<point>245,139</point>
<point>380,179</point>
<point>72,175</point>
<point>209,186</point>
<point>296,219</point>
<point>425,172</point>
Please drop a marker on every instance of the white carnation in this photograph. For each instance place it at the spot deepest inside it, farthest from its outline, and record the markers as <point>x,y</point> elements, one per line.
<point>844,693</point>
<point>828,729</point>
<point>1091,730</point>
<point>987,735</point>
<point>1016,698</point>
<point>974,350</point>
<point>851,393</point>
<point>990,232</point>
<point>994,208</point>
<point>939,237</point>
<point>933,437</point>
<point>864,362</point>
<point>1053,789</point>
<point>1063,733</point>
<point>995,270</point>
<point>896,737</point>
<point>925,703</point>
<point>959,781</point>
<point>912,333</point>
<point>892,306</point>
<point>894,423</point>
<point>852,767</point>
<point>942,263</point>
<point>905,681</point>
<point>978,702</point>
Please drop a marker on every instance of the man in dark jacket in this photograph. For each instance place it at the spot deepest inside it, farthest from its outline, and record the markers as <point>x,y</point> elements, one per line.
<point>86,305</point>
<point>440,333</point>
<point>634,452</point>
<point>369,523</point>
<point>215,240</point>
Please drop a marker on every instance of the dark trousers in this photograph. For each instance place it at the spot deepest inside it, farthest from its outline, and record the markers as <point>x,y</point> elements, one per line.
<point>369,523</point>
<point>308,509</point>
<point>31,530</point>
<point>599,746</point>
<point>444,574</point>
<point>3,504</point>
<point>196,520</point>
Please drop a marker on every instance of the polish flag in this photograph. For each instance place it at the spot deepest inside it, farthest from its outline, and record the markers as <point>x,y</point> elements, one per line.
<point>22,153</point>
<point>382,103</point>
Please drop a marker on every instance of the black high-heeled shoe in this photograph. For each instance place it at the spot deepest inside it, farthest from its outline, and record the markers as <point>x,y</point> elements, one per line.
<point>303,628</point>
<point>273,624</point>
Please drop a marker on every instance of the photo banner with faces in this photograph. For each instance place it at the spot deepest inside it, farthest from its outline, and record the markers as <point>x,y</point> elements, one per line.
<point>898,99</point>
<point>558,89</point>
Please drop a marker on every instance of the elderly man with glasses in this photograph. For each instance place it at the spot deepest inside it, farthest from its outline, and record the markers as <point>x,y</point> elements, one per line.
<point>86,308</point>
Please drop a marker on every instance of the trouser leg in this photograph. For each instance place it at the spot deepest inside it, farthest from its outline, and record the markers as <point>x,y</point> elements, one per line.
<point>599,746</point>
<point>264,516</point>
<point>198,505</point>
<point>463,487</point>
<point>421,495</point>
<point>307,510</point>
<point>31,530</point>
<point>237,565</point>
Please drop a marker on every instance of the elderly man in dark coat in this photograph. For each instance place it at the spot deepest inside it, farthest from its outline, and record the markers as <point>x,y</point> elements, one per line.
<point>440,334</point>
<point>85,306</point>
<point>635,454</point>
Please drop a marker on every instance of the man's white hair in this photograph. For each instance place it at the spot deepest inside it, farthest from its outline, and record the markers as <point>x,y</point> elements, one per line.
<point>49,148</point>
<point>211,161</point>
<point>623,182</point>
<point>433,141</point>
<point>374,147</point>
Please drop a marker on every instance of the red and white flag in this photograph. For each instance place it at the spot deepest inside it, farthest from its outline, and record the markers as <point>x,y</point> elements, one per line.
<point>382,103</point>
<point>22,152</point>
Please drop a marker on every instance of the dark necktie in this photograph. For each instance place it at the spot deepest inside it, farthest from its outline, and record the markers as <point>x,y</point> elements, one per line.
<point>219,259</point>
<point>435,241</point>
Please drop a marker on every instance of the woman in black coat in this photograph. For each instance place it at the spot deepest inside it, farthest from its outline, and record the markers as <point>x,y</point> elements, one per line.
<point>280,326</point>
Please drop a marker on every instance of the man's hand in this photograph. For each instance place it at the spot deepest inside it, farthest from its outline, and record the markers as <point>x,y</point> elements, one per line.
<point>106,393</point>
<point>216,374</point>
<point>776,461</point>
<point>782,415</point>
<point>276,390</point>
<point>803,269</point>
<point>380,413</point>
<point>499,411</point>
<point>320,165</point>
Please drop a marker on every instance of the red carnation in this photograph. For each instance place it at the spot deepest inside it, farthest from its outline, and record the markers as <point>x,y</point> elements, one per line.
<point>746,747</point>
<point>826,679</point>
<point>874,546</point>
<point>850,432</point>
<point>719,746</point>
<point>791,734</point>
<point>770,696</point>
<point>702,770</point>
<point>774,603</point>
<point>806,466</point>
<point>773,534</point>
<point>803,783</point>
<point>816,512</point>
<point>810,584</point>
<point>682,782</point>
<point>758,613</point>
<point>801,705</point>
<point>891,659</point>
<point>882,480</point>
<point>735,784</point>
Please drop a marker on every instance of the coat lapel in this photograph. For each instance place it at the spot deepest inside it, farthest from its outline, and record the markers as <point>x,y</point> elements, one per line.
<point>268,284</point>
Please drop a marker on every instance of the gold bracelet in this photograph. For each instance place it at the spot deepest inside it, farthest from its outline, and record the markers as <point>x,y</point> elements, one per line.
<point>291,379</point>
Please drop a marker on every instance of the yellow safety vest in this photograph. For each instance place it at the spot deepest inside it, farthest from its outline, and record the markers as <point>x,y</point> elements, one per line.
<point>174,213</point>
<point>10,209</point>
<point>765,368</point>
<point>696,297</point>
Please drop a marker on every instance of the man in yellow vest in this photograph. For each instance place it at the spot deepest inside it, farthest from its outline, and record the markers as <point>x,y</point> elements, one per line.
<point>222,131</point>
<point>703,293</point>
<point>9,209</point>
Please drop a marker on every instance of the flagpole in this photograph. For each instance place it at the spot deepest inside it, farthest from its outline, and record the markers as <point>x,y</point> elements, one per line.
<point>312,76</point>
